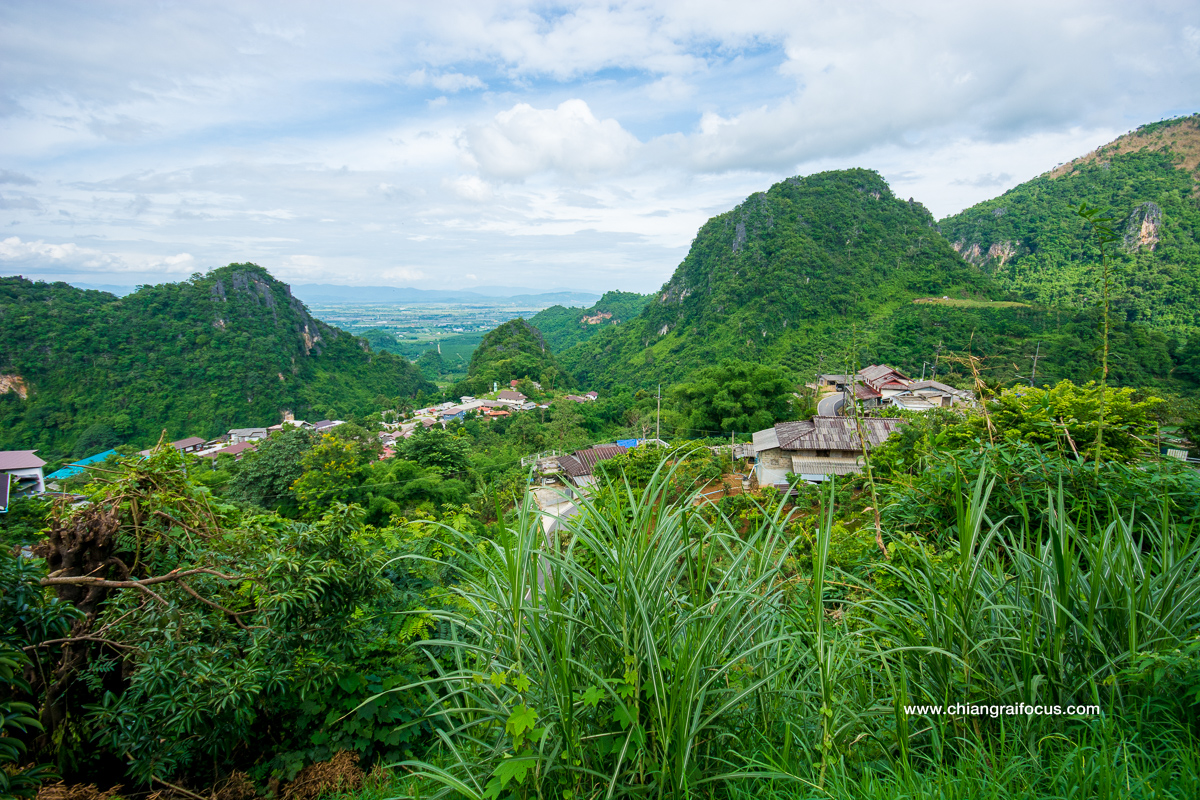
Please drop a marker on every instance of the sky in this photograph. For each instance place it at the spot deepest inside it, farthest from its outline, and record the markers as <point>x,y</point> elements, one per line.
<point>544,145</point>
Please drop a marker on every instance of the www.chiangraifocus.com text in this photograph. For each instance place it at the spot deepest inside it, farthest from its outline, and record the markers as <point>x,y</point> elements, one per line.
<point>1012,710</point>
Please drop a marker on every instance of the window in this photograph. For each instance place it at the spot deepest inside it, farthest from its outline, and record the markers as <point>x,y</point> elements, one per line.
<point>822,453</point>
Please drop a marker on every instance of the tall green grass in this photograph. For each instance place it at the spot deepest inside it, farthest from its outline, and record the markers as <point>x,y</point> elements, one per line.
<point>641,651</point>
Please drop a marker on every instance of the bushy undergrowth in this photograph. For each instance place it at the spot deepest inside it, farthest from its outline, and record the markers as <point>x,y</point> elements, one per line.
<point>687,659</point>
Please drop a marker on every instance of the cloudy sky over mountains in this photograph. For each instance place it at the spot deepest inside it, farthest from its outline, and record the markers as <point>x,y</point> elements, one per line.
<point>579,146</point>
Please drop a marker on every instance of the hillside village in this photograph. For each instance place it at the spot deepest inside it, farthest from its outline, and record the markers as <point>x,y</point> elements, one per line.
<point>808,450</point>
<point>749,559</point>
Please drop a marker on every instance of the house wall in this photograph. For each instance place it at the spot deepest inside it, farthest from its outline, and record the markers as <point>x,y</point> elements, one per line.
<point>34,473</point>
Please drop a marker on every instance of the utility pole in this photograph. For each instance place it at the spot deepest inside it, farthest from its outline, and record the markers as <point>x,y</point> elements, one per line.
<point>1035,358</point>
<point>658,417</point>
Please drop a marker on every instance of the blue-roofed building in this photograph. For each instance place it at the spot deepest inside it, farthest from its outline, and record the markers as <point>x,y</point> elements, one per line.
<point>76,467</point>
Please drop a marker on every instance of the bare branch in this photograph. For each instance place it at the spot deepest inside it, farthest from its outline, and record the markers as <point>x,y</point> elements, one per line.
<point>70,639</point>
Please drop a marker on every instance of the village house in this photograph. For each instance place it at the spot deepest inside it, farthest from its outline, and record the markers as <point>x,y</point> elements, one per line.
<point>580,465</point>
<point>510,397</point>
<point>240,435</point>
<point>236,450</point>
<point>816,448</point>
<point>21,470</point>
<point>933,395</point>
<point>192,444</point>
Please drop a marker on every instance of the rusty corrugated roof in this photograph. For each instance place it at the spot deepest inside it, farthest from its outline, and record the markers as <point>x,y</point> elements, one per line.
<point>833,433</point>
<point>583,462</point>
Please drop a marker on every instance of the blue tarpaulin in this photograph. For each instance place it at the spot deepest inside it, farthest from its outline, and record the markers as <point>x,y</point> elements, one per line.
<point>76,467</point>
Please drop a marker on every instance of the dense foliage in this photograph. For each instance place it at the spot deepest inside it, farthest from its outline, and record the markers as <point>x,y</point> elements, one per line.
<point>516,350</point>
<point>228,349</point>
<point>823,272</point>
<point>1031,243</point>
<point>564,327</point>
<point>734,396</point>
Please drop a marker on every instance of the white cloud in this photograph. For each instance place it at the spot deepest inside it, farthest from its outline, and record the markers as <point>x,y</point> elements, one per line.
<point>568,139</point>
<point>445,81</point>
<point>471,187</point>
<point>322,142</point>
<point>39,257</point>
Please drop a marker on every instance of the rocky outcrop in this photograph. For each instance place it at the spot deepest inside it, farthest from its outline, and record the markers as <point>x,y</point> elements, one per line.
<point>1141,229</point>
<point>14,383</point>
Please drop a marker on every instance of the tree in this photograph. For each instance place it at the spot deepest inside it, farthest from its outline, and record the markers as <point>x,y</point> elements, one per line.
<point>566,425</point>
<point>265,475</point>
<point>212,619</point>
<point>332,472</point>
<point>734,396</point>
<point>431,365</point>
<point>437,448</point>
<point>96,438</point>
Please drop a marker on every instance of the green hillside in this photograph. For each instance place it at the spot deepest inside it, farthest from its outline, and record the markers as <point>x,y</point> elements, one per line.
<point>832,269</point>
<point>1030,241</point>
<point>564,327</point>
<point>513,351</point>
<point>791,270</point>
<point>228,349</point>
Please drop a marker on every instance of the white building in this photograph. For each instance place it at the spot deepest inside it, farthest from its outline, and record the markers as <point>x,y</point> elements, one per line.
<point>24,471</point>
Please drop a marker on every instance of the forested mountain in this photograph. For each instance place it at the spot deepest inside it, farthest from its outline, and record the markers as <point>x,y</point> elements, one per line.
<point>513,351</point>
<point>232,348</point>
<point>823,271</point>
<point>1031,242</point>
<point>564,327</point>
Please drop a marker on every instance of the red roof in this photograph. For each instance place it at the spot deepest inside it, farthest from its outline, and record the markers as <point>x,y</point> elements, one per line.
<point>232,450</point>
<point>863,392</point>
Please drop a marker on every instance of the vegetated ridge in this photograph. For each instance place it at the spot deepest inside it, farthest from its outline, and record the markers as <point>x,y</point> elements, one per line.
<point>1031,242</point>
<point>822,271</point>
<point>513,351</point>
<point>564,327</point>
<point>232,348</point>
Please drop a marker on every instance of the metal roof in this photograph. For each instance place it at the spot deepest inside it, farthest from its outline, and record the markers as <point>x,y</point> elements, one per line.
<point>864,392</point>
<point>583,462</point>
<point>20,459</point>
<point>191,441</point>
<point>939,386</point>
<point>788,433</point>
<point>822,466</point>
<point>833,433</point>
<point>765,440</point>
<point>877,372</point>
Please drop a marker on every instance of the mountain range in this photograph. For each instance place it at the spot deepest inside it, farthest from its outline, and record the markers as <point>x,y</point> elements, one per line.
<point>233,348</point>
<point>329,294</point>
<point>829,270</point>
